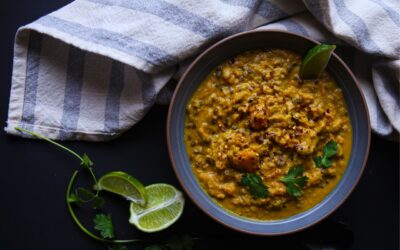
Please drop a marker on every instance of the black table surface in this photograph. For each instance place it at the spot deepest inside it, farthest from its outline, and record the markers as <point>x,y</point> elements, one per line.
<point>34,176</point>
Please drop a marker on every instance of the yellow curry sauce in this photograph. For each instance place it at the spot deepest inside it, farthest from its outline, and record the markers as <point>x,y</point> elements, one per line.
<point>253,113</point>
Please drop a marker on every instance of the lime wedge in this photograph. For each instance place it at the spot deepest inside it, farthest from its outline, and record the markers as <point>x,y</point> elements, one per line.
<point>315,61</point>
<point>163,208</point>
<point>125,185</point>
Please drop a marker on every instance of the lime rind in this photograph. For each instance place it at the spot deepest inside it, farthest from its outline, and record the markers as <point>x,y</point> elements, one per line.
<point>164,207</point>
<point>132,189</point>
<point>170,214</point>
<point>316,60</point>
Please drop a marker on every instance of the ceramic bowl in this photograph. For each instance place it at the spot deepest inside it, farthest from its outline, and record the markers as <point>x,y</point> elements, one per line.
<point>196,73</point>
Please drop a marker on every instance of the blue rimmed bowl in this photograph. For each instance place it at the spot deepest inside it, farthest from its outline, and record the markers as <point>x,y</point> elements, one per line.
<point>197,72</point>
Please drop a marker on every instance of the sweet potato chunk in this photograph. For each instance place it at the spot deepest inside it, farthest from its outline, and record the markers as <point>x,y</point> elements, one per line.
<point>246,160</point>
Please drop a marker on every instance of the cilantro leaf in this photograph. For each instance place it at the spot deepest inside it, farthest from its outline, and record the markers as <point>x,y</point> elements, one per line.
<point>180,242</point>
<point>255,185</point>
<point>329,150</point>
<point>326,162</point>
<point>295,181</point>
<point>84,195</point>
<point>73,198</point>
<point>293,190</point>
<point>98,202</point>
<point>318,160</point>
<point>86,162</point>
<point>103,223</point>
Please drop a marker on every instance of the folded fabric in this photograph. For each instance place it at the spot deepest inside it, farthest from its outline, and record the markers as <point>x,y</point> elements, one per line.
<point>92,69</point>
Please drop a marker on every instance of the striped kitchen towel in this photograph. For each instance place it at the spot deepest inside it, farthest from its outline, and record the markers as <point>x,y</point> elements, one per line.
<point>91,70</point>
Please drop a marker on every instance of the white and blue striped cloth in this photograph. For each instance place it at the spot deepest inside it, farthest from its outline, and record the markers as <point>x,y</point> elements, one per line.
<point>91,70</point>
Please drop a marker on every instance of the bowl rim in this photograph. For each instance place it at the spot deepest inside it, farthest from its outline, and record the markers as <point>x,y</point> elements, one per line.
<point>174,164</point>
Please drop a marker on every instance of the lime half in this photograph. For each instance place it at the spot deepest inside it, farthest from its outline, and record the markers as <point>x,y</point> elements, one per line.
<point>125,185</point>
<point>315,61</point>
<point>163,208</point>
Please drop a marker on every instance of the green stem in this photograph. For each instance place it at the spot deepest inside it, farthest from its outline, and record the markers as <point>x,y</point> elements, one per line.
<point>79,224</point>
<point>71,211</point>
<point>94,179</point>
<point>37,135</point>
<point>49,140</point>
<point>70,184</point>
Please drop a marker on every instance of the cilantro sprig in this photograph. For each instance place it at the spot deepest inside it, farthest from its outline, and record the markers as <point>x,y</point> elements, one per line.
<point>111,244</point>
<point>295,181</point>
<point>329,150</point>
<point>255,185</point>
<point>102,222</point>
<point>82,195</point>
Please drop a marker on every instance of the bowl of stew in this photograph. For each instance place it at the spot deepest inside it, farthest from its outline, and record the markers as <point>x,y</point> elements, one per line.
<point>258,148</point>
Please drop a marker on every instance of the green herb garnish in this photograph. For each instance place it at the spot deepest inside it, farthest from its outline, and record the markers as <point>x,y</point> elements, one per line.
<point>103,223</point>
<point>295,181</point>
<point>330,149</point>
<point>81,195</point>
<point>107,242</point>
<point>255,185</point>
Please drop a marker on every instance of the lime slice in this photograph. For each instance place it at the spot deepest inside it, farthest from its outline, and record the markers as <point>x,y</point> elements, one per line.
<point>125,185</point>
<point>163,208</point>
<point>315,61</point>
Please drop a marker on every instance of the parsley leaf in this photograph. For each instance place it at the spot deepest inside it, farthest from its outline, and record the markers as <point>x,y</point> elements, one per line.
<point>329,150</point>
<point>103,223</point>
<point>255,185</point>
<point>294,180</point>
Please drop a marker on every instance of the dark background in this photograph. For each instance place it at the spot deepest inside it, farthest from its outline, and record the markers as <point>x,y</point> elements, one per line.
<point>34,176</point>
